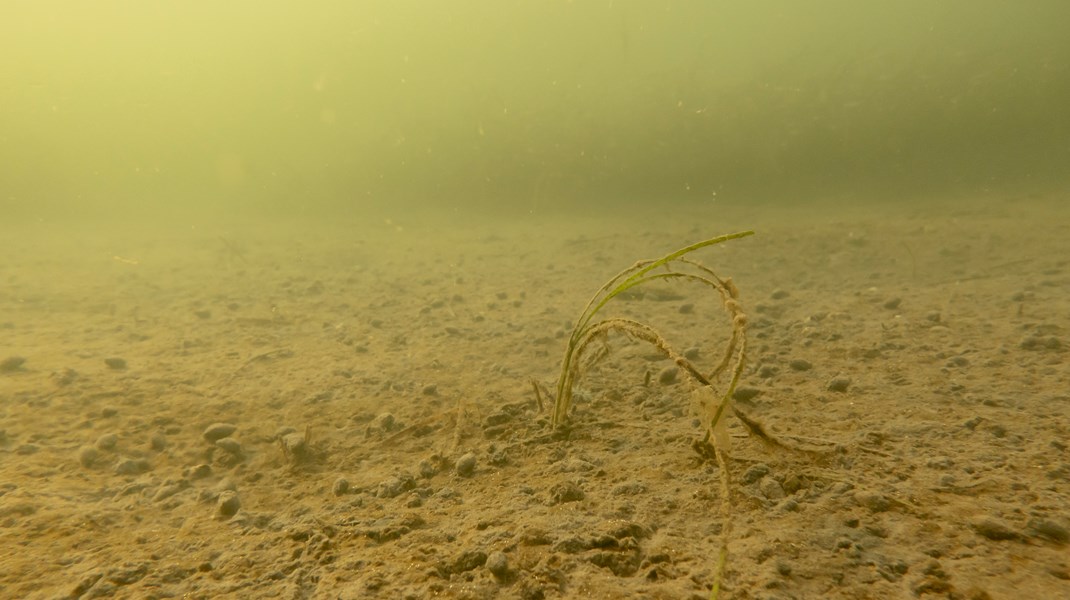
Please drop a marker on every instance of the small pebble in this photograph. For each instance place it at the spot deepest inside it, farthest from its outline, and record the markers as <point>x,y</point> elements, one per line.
<point>800,364</point>
<point>792,484</point>
<point>498,564</point>
<point>958,361</point>
<point>1037,342</point>
<point>228,505</point>
<point>115,363</point>
<point>468,560</point>
<point>108,412</point>
<point>1054,531</point>
<point>994,529</point>
<point>384,422</point>
<point>783,567</point>
<point>12,364</point>
<point>218,431</point>
<point>839,384</point>
<point>132,466</point>
<point>873,501</point>
<point>838,488</point>
<point>495,419</point>
<point>466,465</point>
<point>200,471</point>
<point>203,314</point>
<point>940,462</point>
<point>566,492</point>
<point>754,473</point>
<point>65,377</point>
<point>426,469</point>
<point>169,489</point>
<point>686,309</point>
<point>893,303</point>
<point>107,441</point>
<point>667,376</point>
<point>341,486</point>
<point>126,573</point>
<point>745,393</point>
<point>780,294</point>
<point>294,445</point>
<point>226,484</point>
<point>430,390</point>
<point>88,456</point>
<point>771,488</point>
<point>230,445</point>
<point>395,486</point>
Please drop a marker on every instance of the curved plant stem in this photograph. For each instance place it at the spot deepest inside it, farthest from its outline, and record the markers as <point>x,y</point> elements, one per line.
<point>639,274</point>
<point>588,331</point>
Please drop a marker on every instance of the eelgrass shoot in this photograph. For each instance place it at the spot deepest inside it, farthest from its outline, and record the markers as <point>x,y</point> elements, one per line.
<point>710,401</point>
<point>673,266</point>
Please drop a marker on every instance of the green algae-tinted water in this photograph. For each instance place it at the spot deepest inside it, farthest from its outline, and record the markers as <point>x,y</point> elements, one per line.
<point>124,107</point>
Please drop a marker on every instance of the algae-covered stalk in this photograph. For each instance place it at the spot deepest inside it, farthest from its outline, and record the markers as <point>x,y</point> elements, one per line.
<point>710,405</point>
<point>676,267</point>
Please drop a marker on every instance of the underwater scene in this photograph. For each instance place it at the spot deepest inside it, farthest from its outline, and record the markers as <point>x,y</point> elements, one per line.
<point>535,299</point>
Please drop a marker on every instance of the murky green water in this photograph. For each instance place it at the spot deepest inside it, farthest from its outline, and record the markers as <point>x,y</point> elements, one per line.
<point>336,107</point>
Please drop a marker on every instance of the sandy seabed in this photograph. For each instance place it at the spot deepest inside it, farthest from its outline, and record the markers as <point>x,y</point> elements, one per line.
<point>345,410</point>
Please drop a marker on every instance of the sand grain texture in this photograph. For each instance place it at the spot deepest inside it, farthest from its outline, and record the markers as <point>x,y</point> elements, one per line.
<point>321,411</point>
